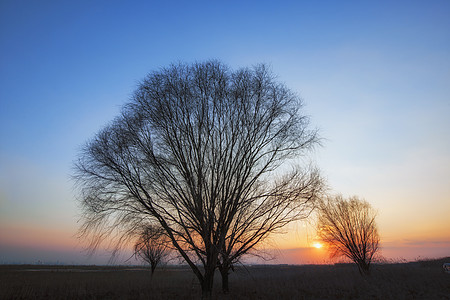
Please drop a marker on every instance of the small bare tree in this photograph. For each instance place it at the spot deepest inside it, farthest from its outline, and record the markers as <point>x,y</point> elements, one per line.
<point>348,228</point>
<point>152,246</point>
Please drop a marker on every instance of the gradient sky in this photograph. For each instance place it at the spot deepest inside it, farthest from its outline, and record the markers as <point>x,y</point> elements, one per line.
<point>375,77</point>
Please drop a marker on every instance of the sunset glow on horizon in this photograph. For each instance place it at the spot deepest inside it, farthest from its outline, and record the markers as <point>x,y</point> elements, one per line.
<point>374,77</point>
<point>317,245</point>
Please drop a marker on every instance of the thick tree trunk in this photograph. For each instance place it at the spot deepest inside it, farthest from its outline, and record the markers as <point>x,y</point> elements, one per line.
<point>207,285</point>
<point>224,273</point>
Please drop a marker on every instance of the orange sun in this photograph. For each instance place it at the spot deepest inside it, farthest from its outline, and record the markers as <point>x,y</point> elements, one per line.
<point>317,245</point>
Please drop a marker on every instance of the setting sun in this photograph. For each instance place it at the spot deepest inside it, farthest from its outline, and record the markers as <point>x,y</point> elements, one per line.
<point>317,245</point>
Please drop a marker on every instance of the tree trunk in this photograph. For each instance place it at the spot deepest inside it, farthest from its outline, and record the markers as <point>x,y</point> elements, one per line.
<point>224,273</point>
<point>364,268</point>
<point>153,267</point>
<point>207,285</point>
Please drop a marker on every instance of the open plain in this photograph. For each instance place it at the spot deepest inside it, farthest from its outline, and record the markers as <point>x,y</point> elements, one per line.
<point>416,280</point>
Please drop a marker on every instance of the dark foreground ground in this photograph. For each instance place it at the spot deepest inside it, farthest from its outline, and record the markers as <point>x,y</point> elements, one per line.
<point>418,280</point>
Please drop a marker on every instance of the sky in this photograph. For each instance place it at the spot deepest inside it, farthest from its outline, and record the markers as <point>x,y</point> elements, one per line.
<point>375,78</point>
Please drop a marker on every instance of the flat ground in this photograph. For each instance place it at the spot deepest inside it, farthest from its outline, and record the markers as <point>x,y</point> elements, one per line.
<point>418,280</point>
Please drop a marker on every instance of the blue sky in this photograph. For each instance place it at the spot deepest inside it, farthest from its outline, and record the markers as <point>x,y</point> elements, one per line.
<point>375,77</point>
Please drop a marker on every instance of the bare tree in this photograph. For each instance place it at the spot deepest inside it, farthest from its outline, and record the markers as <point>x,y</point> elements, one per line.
<point>152,246</point>
<point>198,151</point>
<point>348,228</point>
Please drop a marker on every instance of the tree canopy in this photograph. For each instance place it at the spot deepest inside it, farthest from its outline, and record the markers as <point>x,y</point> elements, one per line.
<point>197,151</point>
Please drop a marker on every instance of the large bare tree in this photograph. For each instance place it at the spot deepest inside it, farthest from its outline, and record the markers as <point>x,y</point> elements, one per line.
<point>348,228</point>
<point>198,151</point>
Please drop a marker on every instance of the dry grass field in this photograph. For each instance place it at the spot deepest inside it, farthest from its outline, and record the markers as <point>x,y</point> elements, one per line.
<point>418,280</point>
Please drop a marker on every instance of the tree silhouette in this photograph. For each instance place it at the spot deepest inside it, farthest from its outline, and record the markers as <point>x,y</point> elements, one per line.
<point>348,228</point>
<point>198,151</point>
<point>151,246</point>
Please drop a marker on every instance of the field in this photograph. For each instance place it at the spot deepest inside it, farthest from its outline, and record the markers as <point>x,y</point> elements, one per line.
<point>417,280</point>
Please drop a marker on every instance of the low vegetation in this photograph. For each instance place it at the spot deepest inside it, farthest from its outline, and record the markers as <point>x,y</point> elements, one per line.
<point>417,280</point>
